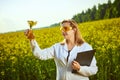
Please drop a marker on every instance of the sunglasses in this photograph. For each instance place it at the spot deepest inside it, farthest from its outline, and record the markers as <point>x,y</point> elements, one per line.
<point>65,29</point>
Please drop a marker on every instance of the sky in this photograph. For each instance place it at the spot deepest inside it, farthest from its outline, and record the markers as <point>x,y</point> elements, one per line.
<point>14,14</point>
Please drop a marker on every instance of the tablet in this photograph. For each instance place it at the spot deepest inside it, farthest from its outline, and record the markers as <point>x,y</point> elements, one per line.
<point>85,58</point>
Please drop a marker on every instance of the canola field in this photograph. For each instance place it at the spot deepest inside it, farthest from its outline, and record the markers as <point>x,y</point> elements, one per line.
<point>18,63</point>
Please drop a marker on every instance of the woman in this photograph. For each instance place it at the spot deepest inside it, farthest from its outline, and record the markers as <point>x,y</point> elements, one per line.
<point>65,52</point>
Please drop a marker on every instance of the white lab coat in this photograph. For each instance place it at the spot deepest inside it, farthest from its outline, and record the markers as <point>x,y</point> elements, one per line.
<point>59,53</point>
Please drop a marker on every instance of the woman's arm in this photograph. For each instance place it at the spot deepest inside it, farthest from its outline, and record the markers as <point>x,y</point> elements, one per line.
<point>43,54</point>
<point>38,52</point>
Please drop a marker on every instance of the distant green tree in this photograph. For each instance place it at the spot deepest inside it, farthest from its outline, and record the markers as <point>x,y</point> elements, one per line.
<point>108,13</point>
<point>83,16</point>
<point>76,18</point>
<point>114,12</point>
<point>116,8</point>
<point>103,11</point>
<point>93,13</point>
<point>87,15</point>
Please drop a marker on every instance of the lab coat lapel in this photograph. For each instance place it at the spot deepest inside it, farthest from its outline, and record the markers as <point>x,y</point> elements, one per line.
<point>64,54</point>
<point>65,47</point>
<point>74,50</point>
<point>73,54</point>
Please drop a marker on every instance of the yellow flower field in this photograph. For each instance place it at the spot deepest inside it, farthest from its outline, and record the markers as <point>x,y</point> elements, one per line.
<point>18,63</point>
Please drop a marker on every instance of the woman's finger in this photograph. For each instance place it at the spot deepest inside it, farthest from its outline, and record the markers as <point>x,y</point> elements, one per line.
<point>75,65</point>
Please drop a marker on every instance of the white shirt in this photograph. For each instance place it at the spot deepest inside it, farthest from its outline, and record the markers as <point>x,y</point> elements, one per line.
<point>59,53</point>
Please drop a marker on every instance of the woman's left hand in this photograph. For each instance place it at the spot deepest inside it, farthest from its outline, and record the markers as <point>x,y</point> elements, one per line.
<point>75,65</point>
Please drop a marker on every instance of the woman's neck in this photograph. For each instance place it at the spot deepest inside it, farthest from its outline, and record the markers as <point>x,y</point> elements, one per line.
<point>70,43</point>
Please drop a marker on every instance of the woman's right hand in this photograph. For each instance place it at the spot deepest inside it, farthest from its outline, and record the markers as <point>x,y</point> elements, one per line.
<point>29,34</point>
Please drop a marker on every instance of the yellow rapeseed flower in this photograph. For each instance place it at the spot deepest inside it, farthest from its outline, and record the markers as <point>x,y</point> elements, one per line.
<point>32,23</point>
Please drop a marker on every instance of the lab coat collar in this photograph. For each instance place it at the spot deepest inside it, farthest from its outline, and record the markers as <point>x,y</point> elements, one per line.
<point>66,48</point>
<point>73,52</point>
<point>75,49</point>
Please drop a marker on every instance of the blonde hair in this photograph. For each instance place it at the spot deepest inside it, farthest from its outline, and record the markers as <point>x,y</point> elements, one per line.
<point>78,37</point>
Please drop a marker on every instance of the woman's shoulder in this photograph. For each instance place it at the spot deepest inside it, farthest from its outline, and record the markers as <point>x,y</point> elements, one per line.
<point>86,46</point>
<point>57,45</point>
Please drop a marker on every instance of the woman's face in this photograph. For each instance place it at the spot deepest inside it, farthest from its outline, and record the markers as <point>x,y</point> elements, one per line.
<point>67,30</point>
